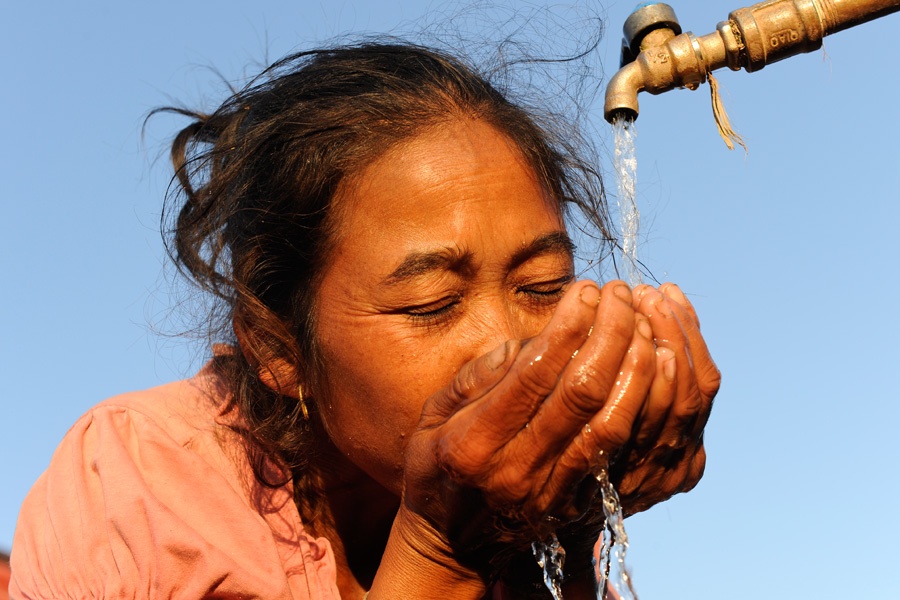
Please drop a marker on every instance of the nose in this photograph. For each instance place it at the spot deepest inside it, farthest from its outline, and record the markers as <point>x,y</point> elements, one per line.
<point>497,320</point>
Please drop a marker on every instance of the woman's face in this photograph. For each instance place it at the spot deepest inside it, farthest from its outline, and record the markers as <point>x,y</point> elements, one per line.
<point>447,246</point>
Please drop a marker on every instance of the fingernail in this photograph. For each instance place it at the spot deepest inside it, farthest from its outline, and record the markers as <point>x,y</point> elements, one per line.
<point>497,356</point>
<point>643,327</point>
<point>674,292</point>
<point>658,304</point>
<point>623,293</point>
<point>669,369</point>
<point>590,295</point>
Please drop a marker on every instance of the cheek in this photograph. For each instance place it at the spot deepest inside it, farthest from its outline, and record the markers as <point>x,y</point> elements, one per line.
<point>376,384</point>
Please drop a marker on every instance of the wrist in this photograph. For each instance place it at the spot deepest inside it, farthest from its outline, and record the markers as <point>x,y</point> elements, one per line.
<point>419,563</point>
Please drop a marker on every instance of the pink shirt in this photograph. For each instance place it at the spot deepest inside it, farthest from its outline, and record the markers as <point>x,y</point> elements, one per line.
<point>150,496</point>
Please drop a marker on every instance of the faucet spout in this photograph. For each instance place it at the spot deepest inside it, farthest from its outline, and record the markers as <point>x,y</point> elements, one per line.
<point>622,93</point>
<point>750,39</point>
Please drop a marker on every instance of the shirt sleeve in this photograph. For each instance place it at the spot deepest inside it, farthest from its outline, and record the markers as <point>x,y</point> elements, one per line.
<point>127,511</point>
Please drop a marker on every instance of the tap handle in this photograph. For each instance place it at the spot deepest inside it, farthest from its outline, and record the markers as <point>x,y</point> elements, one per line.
<point>646,18</point>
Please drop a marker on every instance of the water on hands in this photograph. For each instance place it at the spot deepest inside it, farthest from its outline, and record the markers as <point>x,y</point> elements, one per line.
<point>609,564</point>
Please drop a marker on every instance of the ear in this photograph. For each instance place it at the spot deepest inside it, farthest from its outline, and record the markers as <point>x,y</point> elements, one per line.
<point>277,374</point>
<point>281,377</point>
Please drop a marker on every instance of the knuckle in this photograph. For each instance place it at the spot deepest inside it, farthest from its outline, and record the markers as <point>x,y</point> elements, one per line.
<point>583,453</point>
<point>615,329</point>
<point>687,411</point>
<point>698,465</point>
<point>464,384</point>
<point>509,487</point>
<point>584,391</point>
<point>462,461</point>
<point>538,377</point>
<point>562,487</point>
<point>613,431</point>
<point>710,381</point>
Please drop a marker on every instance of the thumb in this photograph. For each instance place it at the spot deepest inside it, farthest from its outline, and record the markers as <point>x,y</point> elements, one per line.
<point>475,379</point>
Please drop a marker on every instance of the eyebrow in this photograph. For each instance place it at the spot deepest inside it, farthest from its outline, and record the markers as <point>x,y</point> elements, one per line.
<point>557,242</point>
<point>419,263</point>
<point>455,259</point>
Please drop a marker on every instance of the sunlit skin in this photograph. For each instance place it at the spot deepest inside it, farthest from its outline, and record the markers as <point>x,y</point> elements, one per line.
<point>447,248</point>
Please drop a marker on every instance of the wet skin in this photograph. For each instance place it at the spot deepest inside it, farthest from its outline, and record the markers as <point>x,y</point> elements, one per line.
<point>448,253</point>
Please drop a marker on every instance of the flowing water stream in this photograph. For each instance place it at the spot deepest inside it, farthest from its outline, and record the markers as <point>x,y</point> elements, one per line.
<point>625,164</point>
<point>609,563</point>
<point>550,557</point>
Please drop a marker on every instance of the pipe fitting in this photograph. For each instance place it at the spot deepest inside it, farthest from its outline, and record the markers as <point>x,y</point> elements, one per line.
<point>645,19</point>
<point>751,38</point>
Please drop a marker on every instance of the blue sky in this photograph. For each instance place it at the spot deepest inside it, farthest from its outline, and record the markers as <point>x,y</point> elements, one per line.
<point>788,253</point>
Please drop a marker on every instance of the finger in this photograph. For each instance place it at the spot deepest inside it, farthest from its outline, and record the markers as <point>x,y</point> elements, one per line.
<point>537,368</point>
<point>659,477</point>
<point>478,429</point>
<point>639,292</point>
<point>707,373</point>
<point>673,292</point>
<point>696,469</point>
<point>611,427</point>
<point>659,400</point>
<point>696,375</point>
<point>669,333</point>
<point>588,380</point>
<point>475,379</point>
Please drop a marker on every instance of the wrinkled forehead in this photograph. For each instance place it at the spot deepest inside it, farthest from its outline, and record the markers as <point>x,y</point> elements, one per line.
<point>463,185</point>
<point>445,165</point>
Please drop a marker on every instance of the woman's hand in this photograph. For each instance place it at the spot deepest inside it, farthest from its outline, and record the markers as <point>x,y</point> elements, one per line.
<point>666,456</point>
<point>515,439</point>
<point>507,452</point>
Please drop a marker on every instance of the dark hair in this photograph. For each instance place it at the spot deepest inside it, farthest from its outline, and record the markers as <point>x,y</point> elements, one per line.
<point>256,182</point>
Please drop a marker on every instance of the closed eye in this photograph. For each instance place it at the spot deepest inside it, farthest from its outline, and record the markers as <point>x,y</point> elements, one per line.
<point>546,292</point>
<point>433,311</point>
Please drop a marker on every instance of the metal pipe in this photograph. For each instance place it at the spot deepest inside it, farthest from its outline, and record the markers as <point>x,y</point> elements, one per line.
<point>657,57</point>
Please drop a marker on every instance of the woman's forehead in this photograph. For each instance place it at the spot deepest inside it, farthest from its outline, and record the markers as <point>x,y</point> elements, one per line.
<point>460,185</point>
<point>451,163</point>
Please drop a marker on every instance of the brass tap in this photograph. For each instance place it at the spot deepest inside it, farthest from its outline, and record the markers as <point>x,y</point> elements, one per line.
<point>657,57</point>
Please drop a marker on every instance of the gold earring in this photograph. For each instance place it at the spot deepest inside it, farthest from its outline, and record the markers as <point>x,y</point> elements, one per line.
<point>302,402</point>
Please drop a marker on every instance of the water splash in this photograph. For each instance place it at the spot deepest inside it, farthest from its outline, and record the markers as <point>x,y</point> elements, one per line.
<point>625,162</point>
<point>609,565</point>
<point>551,557</point>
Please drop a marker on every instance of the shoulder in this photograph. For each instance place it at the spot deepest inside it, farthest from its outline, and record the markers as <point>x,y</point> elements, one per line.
<point>183,410</point>
<point>150,490</point>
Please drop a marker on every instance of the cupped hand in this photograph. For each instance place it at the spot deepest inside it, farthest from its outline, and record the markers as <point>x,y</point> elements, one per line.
<point>666,455</point>
<point>507,451</point>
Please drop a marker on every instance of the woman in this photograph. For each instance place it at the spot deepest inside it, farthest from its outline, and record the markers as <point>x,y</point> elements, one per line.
<point>416,386</point>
